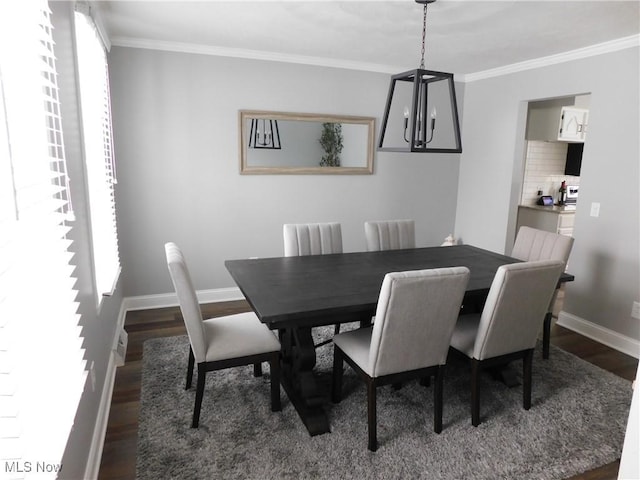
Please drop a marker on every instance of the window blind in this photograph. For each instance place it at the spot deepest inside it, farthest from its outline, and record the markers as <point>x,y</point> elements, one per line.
<point>98,149</point>
<point>42,367</point>
<point>54,119</point>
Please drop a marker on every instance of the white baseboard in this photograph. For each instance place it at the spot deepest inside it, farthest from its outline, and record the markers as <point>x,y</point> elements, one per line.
<point>100,429</point>
<point>163,300</point>
<point>608,337</point>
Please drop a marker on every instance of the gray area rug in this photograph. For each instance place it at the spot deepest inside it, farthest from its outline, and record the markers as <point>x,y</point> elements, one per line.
<point>577,422</point>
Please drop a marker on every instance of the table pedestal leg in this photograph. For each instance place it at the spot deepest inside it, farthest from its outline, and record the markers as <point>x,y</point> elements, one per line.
<point>298,380</point>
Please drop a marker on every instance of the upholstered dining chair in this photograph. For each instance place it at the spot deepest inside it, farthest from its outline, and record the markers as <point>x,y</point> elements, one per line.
<point>313,239</point>
<point>415,318</point>
<point>534,244</point>
<point>221,342</point>
<point>390,235</point>
<point>507,329</point>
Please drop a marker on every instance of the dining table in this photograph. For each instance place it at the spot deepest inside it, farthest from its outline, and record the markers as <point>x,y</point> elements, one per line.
<point>295,294</point>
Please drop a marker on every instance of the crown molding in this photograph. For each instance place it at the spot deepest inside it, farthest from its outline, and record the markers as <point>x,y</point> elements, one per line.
<point>252,54</point>
<point>593,50</point>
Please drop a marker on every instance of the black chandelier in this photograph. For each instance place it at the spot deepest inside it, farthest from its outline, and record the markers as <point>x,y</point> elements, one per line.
<point>416,99</point>
<point>264,133</point>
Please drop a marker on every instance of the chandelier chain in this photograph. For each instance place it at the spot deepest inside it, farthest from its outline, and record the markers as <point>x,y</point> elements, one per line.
<point>424,34</point>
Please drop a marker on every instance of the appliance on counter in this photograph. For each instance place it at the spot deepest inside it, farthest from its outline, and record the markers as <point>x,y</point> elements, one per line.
<point>545,200</point>
<point>572,195</point>
<point>574,159</point>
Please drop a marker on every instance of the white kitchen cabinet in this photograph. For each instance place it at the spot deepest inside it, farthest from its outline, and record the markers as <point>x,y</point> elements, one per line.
<point>557,120</point>
<point>565,223</point>
<point>573,124</point>
<point>549,219</point>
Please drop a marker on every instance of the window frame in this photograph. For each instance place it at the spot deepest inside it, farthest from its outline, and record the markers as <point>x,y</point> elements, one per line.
<point>97,150</point>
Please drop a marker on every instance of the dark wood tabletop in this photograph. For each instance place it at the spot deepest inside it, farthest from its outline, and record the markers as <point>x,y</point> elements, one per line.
<point>324,289</point>
<point>295,294</point>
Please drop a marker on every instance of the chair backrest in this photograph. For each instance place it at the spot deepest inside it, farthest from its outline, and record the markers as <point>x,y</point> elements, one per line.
<point>187,299</point>
<point>312,239</point>
<point>516,304</point>
<point>533,244</point>
<point>390,235</point>
<point>415,317</point>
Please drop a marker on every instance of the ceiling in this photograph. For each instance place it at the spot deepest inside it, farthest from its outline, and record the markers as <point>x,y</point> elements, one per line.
<point>463,37</point>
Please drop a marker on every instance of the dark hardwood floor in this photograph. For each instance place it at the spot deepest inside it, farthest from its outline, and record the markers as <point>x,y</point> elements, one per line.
<point>119,454</point>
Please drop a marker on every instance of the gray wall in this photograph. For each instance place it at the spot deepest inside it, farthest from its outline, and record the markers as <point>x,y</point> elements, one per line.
<point>98,325</point>
<point>176,142</point>
<point>606,250</point>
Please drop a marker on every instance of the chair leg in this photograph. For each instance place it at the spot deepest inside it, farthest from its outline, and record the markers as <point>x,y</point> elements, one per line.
<point>475,392</point>
<point>190,364</point>
<point>371,415</point>
<point>274,370</point>
<point>336,329</point>
<point>199,394</point>
<point>437,400</point>
<point>336,387</point>
<point>257,369</point>
<point>546,335</point>
<point>527,373</point>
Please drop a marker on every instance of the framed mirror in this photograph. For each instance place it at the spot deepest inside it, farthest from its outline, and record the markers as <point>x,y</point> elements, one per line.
<point>305,143</point>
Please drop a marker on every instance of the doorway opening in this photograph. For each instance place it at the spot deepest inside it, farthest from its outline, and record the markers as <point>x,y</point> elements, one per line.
<point>554,136</point>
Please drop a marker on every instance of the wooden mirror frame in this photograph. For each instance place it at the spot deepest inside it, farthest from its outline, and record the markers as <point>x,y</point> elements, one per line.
<point>246,169</point>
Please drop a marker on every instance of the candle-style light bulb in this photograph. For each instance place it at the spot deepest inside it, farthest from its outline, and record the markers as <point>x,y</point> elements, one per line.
<point>406,123</point>
<point>433,124</point>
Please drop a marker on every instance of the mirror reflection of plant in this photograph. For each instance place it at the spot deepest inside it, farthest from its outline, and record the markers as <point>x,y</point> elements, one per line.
<point>331,141</point>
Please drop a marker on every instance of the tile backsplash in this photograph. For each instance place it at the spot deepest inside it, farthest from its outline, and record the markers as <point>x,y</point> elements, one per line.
<point>544,170</point>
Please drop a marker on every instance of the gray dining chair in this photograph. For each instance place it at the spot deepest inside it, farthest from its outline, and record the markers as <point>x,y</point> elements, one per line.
<point>302,239</point>
<point>390,235</point>
<point>534,244</point>
<point>221,342</point>
<point>415,318</point>
<point>507,329</point>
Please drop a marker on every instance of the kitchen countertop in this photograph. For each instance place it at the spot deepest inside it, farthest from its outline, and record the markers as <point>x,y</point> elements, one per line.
<point>552,208</point>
